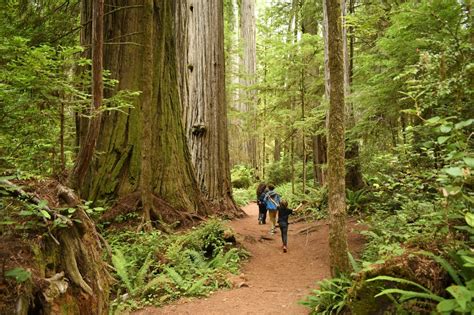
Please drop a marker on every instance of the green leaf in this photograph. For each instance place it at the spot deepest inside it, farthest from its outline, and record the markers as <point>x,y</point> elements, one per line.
<point>464,123</point>
<point>445,128</point>
<point>469,261</point>
<point>42,203</point>
<point>469,161</point>
<point>45,214</point>
<point>469,219</point>
<point>433,120</point>
<point>454,171</point>
<point>19,274</point>
<point>447,305</point>
<point>461,294</point>
<point>442,139</point>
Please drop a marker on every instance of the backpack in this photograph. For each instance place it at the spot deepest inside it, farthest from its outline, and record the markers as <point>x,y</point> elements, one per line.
<point>272,200</point>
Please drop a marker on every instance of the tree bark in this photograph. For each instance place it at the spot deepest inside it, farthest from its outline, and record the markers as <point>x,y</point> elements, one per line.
<point>117,171</point>
<point>247,98</point>
<point>336,173</point>
<point>200,30</point>
<point>146,181</point>
<point>87,147</point>
<point>354,179</point>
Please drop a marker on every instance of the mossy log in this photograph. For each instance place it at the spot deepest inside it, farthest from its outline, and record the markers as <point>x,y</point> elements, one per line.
<point>410,266</point>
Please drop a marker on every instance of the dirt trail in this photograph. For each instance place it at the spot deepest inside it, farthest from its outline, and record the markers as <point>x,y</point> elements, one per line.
<point>275,281</point>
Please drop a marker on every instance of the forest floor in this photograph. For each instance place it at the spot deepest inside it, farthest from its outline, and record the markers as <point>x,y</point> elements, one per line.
<point>271,282</point>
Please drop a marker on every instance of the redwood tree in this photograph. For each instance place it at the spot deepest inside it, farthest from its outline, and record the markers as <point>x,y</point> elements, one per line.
<point>336,173</point>
<point>117,169</point>
<point>200,31</point>
<point>92,126</point>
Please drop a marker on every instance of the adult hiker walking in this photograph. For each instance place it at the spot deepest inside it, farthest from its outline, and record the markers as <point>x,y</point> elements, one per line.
<point>262,207</point>
<point>272,201</point>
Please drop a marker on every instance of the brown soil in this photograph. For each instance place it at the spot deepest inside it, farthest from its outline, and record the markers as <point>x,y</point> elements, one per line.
<point>272,282</point>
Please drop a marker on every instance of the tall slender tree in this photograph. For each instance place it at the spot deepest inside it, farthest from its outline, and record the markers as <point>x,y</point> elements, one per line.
<point>202,85</point>
<point>336,173</point>
<point>354,175</point>
<point>88,143</point>
<point>248,64</point>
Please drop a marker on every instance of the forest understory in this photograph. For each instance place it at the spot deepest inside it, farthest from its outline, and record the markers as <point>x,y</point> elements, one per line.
<point>133,134</point>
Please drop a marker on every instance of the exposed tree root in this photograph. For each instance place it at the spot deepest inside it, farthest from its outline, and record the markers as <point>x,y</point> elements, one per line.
<point>76,253</point>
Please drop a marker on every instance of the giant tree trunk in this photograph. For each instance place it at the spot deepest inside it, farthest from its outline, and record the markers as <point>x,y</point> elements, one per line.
<point>117,170</point>
<point>146,180</point>
<point>200,30</point>
<point>336,173</point>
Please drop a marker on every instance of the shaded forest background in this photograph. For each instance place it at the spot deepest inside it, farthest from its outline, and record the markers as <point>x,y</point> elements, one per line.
<point>169,150</point>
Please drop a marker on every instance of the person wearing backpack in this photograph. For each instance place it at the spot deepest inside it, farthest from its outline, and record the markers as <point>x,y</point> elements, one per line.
<point>272,201</point>
<point>262,207</point>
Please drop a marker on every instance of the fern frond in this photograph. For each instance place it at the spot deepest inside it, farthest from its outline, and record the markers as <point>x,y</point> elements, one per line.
<point>197,287</point>
<point>400,280</point>
<point>407,295</point>
<point>176,277</point>
<point>121,266</point>
<point>139,280</point>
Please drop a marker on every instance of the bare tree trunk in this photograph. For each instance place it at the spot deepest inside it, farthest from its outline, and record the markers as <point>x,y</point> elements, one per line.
<point>320,140</point>
<point>61,141</point>
<point>87,147</point>
<point>277,150</point>
<point>336,173</point>
<point>303,136</point>
<point>247,98</point>
<point>202,86</point>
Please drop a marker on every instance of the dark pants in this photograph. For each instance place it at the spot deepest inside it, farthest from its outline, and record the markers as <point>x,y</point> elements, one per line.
<point>262,213</point>
<point>284,232</point>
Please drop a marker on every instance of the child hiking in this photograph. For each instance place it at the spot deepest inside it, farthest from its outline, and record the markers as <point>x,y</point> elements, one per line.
<point>272,201</point>
<point>283,213</point>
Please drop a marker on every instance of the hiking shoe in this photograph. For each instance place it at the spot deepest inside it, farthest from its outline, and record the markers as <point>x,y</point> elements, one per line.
<point>260,222</point>
<point>285,249</point>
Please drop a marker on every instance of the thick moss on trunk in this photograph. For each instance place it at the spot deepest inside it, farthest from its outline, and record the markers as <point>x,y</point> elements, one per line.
<point>116,170</point>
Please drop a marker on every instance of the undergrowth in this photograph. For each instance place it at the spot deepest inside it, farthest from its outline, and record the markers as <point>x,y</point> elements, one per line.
<point>418,208</point>
<point>154,268</point>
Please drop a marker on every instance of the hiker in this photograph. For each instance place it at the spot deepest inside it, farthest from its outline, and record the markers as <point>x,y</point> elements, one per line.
<point>272,201</point>
<point>262,207</point>
<point>283,213</point>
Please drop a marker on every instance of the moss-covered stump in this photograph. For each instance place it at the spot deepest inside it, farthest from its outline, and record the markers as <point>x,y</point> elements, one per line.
<point>50,263</point>
<point>410,266</point>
